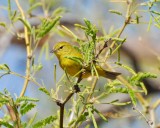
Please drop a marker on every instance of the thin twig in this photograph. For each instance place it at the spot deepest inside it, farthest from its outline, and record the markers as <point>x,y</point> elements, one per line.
<point>149,122</point>
<point>11,112</point>
<point>28,49</point>
<point>104,46</point>
<point>29,79</point>
<point>127,21</point>
<point>12,109</point>
<point>62,104</point>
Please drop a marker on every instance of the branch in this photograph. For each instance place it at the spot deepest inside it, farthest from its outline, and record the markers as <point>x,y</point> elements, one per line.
<point>12,109</point>
<point>29,79</point>
<point>28,49</point>
<point>104,46</point>
<point>76,89</point>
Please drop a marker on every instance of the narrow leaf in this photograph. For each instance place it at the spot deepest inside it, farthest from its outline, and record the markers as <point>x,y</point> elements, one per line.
<point>101,115</point>
<point>155,12</point>
<point>25,22</point>
<point>69,31</point>
<point>4,67</point>
<point>115,12</point>
<point>132,96</point>
<point>76,59</point>
<point>46,26</point>
<point>25,98</point>
<point>44,122</point>
<point>149,24</point>
<point>31,121</point>
<point>26,108</point>
<point>126,67</point>
<point>34,6</point>
<point>6,124</point>
<point>43,89</point>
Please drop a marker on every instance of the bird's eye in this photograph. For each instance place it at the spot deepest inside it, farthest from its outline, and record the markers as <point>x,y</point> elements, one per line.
<point>61,47</point>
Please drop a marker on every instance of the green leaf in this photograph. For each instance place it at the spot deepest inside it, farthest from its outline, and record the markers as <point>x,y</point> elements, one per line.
<point>137,19</point>
<point>6,124</point>
<point>37,67</point>
<point>155,12</point>
<point>32,2</point>
<point>115,102</point>
<point>82,117</point>
<point>137,79</point>
<point>55,73</point>
<point>46,26</point>
<point>101,115</point>
<point>132,96</point>
<point>120,103</point>
<point>9,9</point>
<point>31,121</point>
<point>118,90</point>
<point>24,124</point>
<point>118,39</point>
<point>13,16</point>
<point>34,6</point>
<point>118,47</point>
<point>43,89</point>
<point>4,100</point>
<point>94,71</point>
<point>44,122</point>
<point>94,121</point>
<point>115,12</point>
<point>143,87</point>
<point>91,114</point>
<point>149,24</point>
<point>127,68</point>
<point>76,59</point>
<point>69,31</point>
<point>25,98</point>
<point>26,107</point>
<point>2,24</point>
<point>80,26</point>
<point>25,22</point>
<point>113,83</point>
<point>4,67</point>
<point>157,25</point>
<point>91,30</point>
<point>58,11</point>
<point>140,76</point>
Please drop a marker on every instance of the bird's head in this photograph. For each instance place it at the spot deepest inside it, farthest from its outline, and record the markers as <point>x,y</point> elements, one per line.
<point>61,48</point>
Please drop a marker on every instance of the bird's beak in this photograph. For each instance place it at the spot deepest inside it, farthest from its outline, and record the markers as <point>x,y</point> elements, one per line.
<point>52,51</point>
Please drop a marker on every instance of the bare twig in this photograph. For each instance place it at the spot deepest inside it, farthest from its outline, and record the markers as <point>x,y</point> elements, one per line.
<point>29,79</point>
<point>149,122</point>
<point>104,46</point>
<point>28,49</point>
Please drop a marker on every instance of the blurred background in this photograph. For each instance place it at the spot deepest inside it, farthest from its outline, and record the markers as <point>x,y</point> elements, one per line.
<point>141,51</point>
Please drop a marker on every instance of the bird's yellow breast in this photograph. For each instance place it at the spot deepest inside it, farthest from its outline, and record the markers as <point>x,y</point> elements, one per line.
<point>70,66</point>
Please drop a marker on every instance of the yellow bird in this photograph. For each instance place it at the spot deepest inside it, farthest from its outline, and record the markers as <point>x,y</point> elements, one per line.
<point>65,51</point>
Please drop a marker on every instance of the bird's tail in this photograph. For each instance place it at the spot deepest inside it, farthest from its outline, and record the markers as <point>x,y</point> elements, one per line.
<point>111,75</point>
<point>107,74</point>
